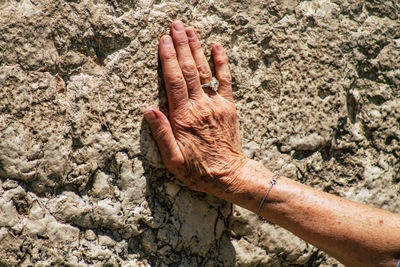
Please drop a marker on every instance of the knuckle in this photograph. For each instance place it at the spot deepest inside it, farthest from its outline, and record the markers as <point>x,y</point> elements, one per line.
<point>205,77</point>
<point>204,72</point>
<point>181,41</point>
<point>188,67</point>
<point>169,54</point>
<point>195,44</point>
<point>222,59</point>
<point>176,82</point>
<point>189,70</point>
<point>205,114</point>
<point>225,79</point>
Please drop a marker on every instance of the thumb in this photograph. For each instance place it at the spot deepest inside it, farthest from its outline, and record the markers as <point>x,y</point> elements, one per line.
<point>162,133</point>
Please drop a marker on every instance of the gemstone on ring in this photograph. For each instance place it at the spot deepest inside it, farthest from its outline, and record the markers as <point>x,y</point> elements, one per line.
<point>213,84</point>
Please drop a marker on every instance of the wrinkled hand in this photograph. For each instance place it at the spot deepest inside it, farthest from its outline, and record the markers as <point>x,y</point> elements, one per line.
<point>200,143</point>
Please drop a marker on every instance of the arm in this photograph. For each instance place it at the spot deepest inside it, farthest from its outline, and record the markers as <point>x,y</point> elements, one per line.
<point>355,234</point>
<point>200,143</point>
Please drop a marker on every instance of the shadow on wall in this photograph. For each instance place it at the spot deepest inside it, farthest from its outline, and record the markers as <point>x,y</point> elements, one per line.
<point>188,228</point>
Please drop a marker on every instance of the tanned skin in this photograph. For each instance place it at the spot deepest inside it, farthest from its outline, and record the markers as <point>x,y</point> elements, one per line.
<point>200,143</point>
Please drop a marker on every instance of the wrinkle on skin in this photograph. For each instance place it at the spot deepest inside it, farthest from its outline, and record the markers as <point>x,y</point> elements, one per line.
<point>200,142</point>
<point>208,137</point>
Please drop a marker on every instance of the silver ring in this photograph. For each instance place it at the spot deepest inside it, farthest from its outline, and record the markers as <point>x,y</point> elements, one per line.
<point>213,84</point>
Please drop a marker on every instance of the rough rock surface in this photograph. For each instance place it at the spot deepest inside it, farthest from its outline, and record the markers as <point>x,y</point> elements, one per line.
<point>317,87</point>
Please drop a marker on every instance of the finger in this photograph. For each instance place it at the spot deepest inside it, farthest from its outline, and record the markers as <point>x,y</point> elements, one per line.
<point>185,59</point>
<point>222,71</point>
<point>165,139</point>
<point>173,77</point>
<point>197,51</point>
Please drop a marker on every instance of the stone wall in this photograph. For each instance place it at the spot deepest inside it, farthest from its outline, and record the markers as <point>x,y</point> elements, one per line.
<point>317,87</point>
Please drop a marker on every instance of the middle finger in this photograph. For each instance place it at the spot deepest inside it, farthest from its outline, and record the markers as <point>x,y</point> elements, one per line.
<point>185,59</point>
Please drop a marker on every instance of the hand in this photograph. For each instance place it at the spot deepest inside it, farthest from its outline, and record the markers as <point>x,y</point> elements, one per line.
<point>200,143</point>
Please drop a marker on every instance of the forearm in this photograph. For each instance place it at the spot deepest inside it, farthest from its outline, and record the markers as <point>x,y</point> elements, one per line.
<point>200,142</point>
<point>355,234</point>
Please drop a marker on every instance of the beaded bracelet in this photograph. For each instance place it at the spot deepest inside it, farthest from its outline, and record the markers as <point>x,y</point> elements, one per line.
<point>273,181</point>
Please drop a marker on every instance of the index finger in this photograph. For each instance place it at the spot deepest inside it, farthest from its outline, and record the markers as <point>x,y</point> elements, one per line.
<point>175,84</point>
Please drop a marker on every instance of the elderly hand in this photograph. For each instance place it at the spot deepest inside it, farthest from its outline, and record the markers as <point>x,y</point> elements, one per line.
<point>200,143</point>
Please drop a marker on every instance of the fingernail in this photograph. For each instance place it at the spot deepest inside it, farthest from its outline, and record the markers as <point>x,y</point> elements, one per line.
<point>167,40</point>
<point>190,33</point>
<point>178,25</point>
<point>218,47</point>
<point>150,114</point>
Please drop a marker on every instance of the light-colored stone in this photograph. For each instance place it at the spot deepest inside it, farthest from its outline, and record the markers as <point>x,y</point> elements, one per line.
<point>316,86</point>
<point>90,235</point>
<point>101,186</point>
<point>107,241</point>
<point>248,254</point>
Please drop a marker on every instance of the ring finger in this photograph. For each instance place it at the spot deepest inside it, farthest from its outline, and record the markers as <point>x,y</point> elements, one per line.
<point>198,55</point>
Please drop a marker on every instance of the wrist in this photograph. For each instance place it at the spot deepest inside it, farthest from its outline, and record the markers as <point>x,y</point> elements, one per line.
<point>246,186</point>
<point>226,180</point>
